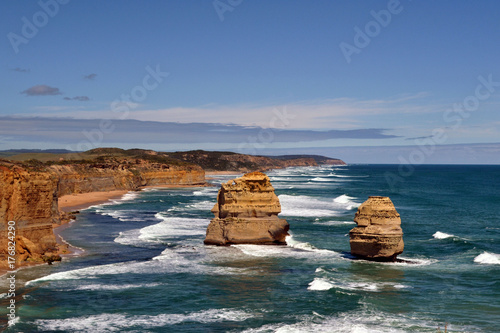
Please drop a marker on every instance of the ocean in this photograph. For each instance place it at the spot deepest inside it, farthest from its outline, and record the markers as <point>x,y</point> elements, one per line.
<point>144,267</point>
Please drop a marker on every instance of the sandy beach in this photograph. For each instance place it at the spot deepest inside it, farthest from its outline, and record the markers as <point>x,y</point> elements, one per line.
<point>72,202</point>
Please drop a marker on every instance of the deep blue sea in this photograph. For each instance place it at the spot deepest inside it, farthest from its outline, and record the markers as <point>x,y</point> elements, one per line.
<point>145,269</point>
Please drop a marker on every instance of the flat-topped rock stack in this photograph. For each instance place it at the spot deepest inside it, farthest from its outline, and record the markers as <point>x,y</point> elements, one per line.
<point>378,235</point>
<point>246,212</point>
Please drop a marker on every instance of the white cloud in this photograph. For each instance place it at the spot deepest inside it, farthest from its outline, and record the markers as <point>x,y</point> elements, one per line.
<point>340,113</point>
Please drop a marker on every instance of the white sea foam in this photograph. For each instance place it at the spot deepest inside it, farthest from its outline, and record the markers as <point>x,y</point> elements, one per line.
<point>205,205</point>
<point>322,179</point>
<point>202,205</point>
<point>150,189</point>
<point>334,223</point>
<point>292,242</point>
<point>111,322</point>
<point>346,201</point>
<point>320,284</point>
<point>344,198</point>
<point>328,279</point>
<point>89,272</point>
<point>488,258</point>
<point>345,176</point>
<point>411,262</point>
<point>442,235</point>
<point>356,321</point>
<point>173,227</point>
<point>208,191</point>
<point>181,259</point>
<point>114,286</point>
<point>197,261</point>
<point>169,228</point>
<point>129,237</point>
<point>103,209</point>
<point>293,249</point>
<point>129,196</point>
<point>302,205</point>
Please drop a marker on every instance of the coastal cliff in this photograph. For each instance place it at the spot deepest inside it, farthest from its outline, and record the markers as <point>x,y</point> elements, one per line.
<point>112,176</point>
<point>32,182</point>
<point>29,198</point>
<point>29,192</point>
<point>228,161</point>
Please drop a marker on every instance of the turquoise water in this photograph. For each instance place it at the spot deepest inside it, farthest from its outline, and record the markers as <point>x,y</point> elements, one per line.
<point>145,268</point>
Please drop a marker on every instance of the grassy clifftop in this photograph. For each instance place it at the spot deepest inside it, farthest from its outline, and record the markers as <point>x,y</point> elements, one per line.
<point>208,160</point>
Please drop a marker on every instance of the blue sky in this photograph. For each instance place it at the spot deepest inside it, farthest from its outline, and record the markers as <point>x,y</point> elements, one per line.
<point>257,76</point>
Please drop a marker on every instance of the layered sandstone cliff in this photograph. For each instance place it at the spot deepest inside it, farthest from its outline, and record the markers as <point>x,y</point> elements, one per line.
<point>246,212</point>
<point>109,176</point>
<point>28,198</point>
<point>378,235</point>
<point>29,193</point>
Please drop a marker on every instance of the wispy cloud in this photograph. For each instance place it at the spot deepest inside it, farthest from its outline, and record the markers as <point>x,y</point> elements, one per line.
<point>41,90</point>
<point>77,98</point>
<point>420,137</point>
<point>340,113</point>
<point>67,130</point>
<point>90,76</point>
<point>20,70</point>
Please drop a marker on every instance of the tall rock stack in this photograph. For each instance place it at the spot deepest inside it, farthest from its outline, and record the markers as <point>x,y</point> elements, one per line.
<point>378,235</point>
<point>246,212</point>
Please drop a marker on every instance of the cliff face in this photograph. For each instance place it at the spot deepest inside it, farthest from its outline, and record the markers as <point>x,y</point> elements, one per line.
<point>30,199</point>
<point>75,178</point>
<point>29,194</point>
<point>246,212</point>
<point>227,161</point>
<point>378,235</point>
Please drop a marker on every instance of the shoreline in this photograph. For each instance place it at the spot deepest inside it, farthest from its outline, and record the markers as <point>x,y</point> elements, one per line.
<point>72,202</point>
<point>79,201</point>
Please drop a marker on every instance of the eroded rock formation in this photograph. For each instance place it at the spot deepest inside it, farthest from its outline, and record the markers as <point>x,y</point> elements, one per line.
<point>110,176</point>
<point>29,195</point>
<point>378,235</point>
<point>29,199</point>
<point>246,212</point>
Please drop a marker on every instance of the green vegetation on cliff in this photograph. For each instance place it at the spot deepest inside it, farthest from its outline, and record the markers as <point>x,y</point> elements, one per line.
<point>208,160</point>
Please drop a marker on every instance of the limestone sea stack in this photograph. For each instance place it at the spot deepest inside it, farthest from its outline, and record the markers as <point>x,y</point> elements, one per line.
<point>378,235</point>
<point>246,212</point>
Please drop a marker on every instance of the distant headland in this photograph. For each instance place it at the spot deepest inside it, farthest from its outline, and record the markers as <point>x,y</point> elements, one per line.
<point>40,188</point>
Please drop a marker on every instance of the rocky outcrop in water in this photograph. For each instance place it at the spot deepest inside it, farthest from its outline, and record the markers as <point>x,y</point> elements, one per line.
<point>246,212</point>
<point>378,235</point>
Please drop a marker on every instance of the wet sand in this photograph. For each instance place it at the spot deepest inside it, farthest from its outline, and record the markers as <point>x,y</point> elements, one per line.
<point>71,202</point>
